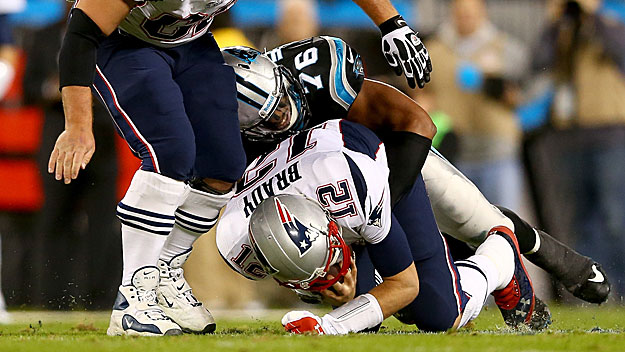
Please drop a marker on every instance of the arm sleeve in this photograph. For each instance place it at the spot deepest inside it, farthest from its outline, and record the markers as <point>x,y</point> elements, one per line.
<point>392,255</point>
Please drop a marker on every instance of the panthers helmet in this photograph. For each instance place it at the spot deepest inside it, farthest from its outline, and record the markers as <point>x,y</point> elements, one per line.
<point>298,242</point>
<point>272,104</point>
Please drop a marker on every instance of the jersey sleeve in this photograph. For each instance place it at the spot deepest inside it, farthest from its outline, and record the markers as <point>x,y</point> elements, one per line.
<point>391,255</point>
<point>330,71</point>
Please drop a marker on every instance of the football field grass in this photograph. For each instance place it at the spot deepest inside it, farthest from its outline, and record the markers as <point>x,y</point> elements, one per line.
<point>573,329</point>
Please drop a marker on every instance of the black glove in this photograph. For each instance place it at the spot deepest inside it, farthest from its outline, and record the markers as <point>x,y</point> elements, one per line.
<point>405,52</point>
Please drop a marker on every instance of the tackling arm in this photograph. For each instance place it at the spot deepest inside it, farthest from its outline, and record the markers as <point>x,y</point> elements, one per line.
<point>406,128</point>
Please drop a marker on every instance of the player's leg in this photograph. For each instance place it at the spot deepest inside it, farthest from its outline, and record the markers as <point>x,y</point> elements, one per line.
<point>440,301</point>
<point>209,91</point>
<point>580,275</point>
<point>463,212</point>
<point>497,259</point>
<point>459,207</point>
<point>146,105</point>
<point>406,128</point>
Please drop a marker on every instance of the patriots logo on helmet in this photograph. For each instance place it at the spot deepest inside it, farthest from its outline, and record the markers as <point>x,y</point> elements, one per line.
<point>301,235</point>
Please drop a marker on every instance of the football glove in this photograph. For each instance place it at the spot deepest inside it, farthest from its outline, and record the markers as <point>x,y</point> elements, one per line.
<point>302,321</point>
<point>405,52</point>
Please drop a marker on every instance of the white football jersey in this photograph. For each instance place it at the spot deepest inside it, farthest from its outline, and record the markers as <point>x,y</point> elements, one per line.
<point>334,163</point>
<point>168,23</point>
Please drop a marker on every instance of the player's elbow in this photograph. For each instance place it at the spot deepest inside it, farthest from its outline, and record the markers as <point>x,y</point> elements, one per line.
<point>418,121</point>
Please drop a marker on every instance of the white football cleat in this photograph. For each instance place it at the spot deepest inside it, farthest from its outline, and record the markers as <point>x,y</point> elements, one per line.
<point>177,300</point>
<point>136,311</point>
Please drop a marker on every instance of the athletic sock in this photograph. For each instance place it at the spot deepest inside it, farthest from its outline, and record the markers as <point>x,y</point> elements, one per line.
<point>478,278</point>
<point>498,250</point>
<point>147,217</point>
<point>528,239</point>
<point>196,216</point>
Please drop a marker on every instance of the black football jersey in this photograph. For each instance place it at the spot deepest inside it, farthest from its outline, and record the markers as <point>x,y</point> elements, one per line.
<point>330,71</point>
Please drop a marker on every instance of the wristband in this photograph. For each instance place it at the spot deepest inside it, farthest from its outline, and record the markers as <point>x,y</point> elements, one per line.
<point>392,24</point>
<point>361,313</point>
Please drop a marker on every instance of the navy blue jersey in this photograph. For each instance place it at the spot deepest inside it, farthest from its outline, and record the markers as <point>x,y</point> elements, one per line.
<point>330,71</point>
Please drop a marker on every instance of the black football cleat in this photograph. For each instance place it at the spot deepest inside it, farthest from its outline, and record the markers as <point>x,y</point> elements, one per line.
<point>595,288</point>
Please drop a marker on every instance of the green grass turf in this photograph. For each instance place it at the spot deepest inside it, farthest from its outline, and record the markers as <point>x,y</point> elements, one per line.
<point>573,329</point>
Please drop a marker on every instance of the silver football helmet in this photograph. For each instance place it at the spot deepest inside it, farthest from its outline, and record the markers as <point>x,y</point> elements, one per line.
<point>272,104</point>
<point>298,242</point>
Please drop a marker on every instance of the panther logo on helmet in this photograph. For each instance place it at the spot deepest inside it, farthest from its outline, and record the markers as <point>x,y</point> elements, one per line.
<point>301,235</point>
<point>242,54</point>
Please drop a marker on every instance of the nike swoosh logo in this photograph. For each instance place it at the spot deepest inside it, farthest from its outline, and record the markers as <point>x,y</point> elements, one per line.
<point>129,323</point>
<point>181,287</point>
<point>168,304</point>
<point>598,275</point>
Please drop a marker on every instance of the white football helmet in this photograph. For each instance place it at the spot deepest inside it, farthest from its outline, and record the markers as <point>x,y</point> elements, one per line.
<point>272,104</point>
<point>298,242</point>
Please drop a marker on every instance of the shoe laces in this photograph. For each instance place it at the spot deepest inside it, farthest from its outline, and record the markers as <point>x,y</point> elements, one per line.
<point>152,311</point>
<point>147,296</point>
<point>177,275</point>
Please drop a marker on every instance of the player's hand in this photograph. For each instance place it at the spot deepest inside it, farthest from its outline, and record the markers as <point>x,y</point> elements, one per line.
<point>302,322</point>
<point>405,52</point>
<point>73,151</point>
<point>341,293</point>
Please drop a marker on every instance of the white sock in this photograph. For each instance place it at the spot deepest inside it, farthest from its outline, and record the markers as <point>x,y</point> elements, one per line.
<point>498,250</point>
<point>196,216</point>
<point>147,216</point>
<point>478,277</point>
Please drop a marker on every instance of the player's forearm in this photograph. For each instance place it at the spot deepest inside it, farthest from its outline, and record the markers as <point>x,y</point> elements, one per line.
<point>77,107</point>
<point>397,291</point>
<point>378,10</point>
